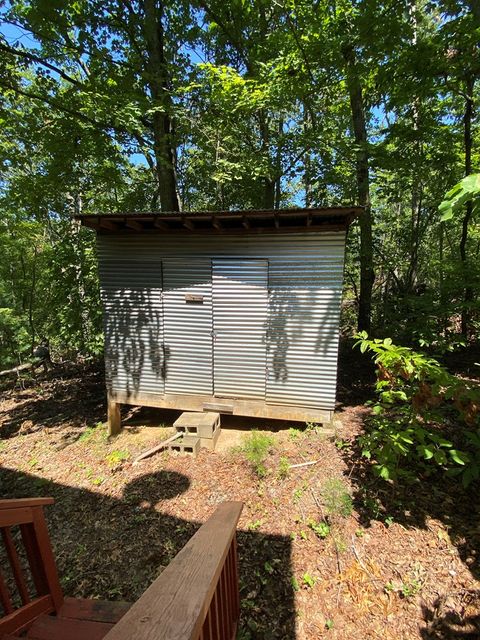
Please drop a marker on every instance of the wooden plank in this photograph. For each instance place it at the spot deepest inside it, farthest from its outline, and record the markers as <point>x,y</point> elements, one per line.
<point>236,576</point>
<point>5,597</point>
<point>178,601</point>
<point>54,628</point>
<point>188,224</point>
<point>216,223</point>
<point>33,557</point>
<point>197,402</point>
<point>162,445</point>
<point>22,617</point>
<point>134,224</point>
<point>108,224</point>
<point>218,407</point>
<point>238,229</point>
<point>159,224</point>
<point>91,224</point>
<point>20,515</point>
<point>15,564</point>
<point>47,558</point>
<point>93,610</point>
<point>25,502</point>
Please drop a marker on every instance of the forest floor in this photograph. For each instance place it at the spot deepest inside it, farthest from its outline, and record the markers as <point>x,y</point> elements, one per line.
<point>404,564</point>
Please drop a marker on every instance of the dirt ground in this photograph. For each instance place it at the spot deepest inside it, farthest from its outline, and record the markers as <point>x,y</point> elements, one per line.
<point>404,563</point>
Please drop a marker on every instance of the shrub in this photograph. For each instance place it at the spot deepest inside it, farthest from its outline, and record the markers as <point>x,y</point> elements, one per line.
<point>116,457</point>
<point>283,468</point>
<point>321,529</point>
<point>424,418</point>
<point>256,448</point>
<point>336,498</point>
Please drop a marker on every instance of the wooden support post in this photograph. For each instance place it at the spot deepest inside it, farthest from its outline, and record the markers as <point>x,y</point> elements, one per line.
<point>114,418</point>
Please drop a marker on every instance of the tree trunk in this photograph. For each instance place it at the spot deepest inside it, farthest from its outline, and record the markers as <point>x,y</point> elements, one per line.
<point>367,275</point>
<point>162,126</point>
<point>268,191</point>
<point>468,142</point>
<point>278,166</point>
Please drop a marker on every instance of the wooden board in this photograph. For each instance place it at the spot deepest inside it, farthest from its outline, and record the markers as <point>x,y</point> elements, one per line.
<point>253,408</point>
<point>93,610</point>
<point>24,616</point>
<point>176,604</point>
<point>53,628</point>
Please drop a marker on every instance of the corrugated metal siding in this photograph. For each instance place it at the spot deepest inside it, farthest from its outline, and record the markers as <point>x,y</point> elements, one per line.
<point>131,292</point>
<point>188,326</point>
<point>240,308</point>
<point>305,282</point>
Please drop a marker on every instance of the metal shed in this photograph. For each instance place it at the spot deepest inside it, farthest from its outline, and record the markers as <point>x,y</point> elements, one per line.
<point>235,311</point>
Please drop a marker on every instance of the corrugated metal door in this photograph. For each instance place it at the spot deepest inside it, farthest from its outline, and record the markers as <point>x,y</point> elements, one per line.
<point>240,306</point>
<point>187,308</point>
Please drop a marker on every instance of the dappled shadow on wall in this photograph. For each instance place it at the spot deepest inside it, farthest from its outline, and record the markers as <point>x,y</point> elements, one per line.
<point>114,547</point>
<point>134,353</point>
<point>301,330</point>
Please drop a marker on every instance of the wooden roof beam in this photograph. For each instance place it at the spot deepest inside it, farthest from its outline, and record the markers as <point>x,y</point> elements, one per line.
<point>108,224</point>
<point>92,224</point>
<point>159,224</point>
<point>217,224</point>
<point>134,224</point>
<point>188,224</point>
<point>276,220</point>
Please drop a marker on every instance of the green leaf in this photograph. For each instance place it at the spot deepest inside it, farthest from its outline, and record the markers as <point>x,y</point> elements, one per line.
<point>459,456</point>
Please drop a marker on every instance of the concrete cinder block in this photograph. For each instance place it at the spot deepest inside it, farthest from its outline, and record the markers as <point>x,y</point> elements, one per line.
<point>188,444</point>
<point>210,443</point>
<point>203,425</point>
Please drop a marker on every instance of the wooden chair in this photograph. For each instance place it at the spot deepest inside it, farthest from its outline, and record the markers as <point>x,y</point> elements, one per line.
<point>195,598</point>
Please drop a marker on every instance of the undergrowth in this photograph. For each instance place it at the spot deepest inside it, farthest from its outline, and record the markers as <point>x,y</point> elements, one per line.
<point>424,420</point>
<point>256,447</point>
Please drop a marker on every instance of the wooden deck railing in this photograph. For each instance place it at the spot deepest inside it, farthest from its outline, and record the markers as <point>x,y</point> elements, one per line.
<point>34,588</point>
<point>196,597</point>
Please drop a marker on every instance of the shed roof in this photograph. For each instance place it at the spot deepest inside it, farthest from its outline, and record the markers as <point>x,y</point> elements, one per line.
<point>248,221</point>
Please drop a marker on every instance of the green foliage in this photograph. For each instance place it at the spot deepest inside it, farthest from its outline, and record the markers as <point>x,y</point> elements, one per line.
<point>256,448</point>
<point>417,400</point>
<point>467,190</point>
<point>116,457</point>
<point>336,498</point>
<point>308,580</point>
<point>90,432</point>
<point>411,588</point>
<point>283,467</point>
<point>321,529</point>
<point>264,120</point>
<point>294,434</point>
